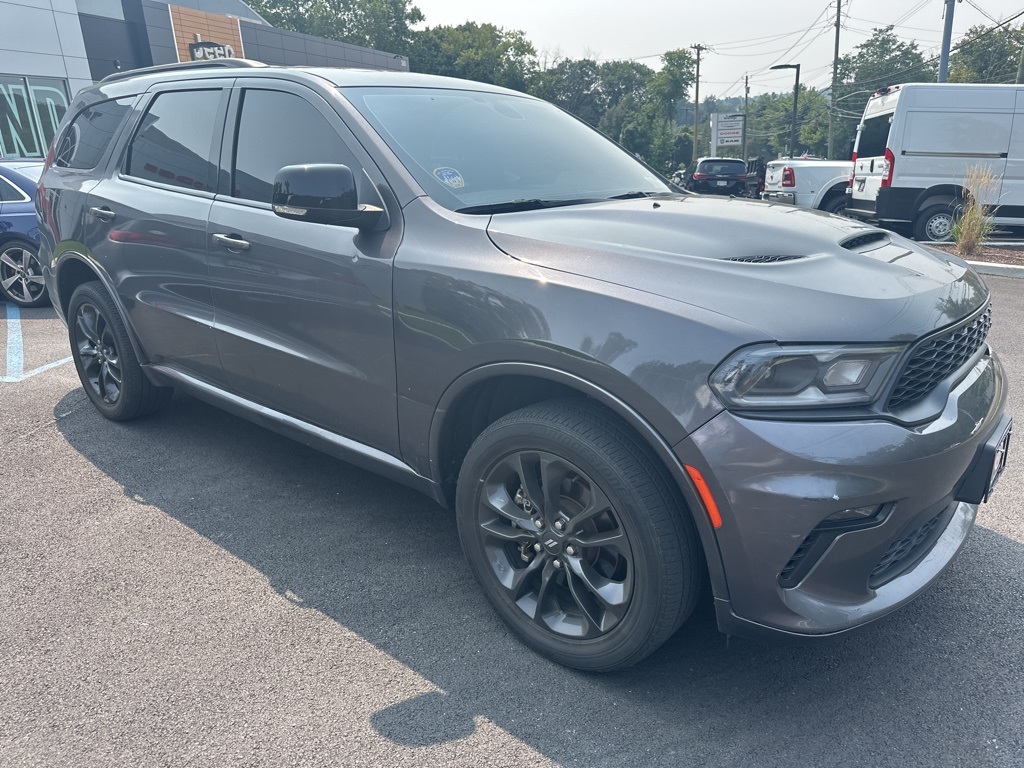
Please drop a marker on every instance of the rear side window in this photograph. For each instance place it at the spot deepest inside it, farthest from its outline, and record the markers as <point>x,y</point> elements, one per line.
<point>84,141</point>
<point>174,142</point>
<point>9,192</point>
<point>276,129</point>
<point>874,136</point>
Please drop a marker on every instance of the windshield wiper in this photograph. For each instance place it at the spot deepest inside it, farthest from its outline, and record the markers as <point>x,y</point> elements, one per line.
<point>532,204</point>
<point>631,195</point>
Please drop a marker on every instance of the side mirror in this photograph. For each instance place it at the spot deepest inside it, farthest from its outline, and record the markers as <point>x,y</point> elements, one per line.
<point>322,193</point>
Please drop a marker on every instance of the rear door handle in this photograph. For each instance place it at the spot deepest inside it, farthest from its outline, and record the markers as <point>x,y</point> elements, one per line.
<point>103,214</point>
<point>231,242</point>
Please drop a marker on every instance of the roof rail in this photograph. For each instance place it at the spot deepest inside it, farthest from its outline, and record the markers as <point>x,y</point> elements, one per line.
<point>182,66</point>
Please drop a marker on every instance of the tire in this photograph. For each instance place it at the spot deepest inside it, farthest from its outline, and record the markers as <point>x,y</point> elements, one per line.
<point>21,275</point>
<point>107,366</point>
<point>935,224</point>
<point>567,482</point>
<point>836,204</point>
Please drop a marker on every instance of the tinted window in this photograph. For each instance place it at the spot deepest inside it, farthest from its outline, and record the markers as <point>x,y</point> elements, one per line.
<point>874,136</point>
<point>174,143</point>
<point>84,141</point>
<point>276,129</point>
<point>723,168</point>
<point>9,192</point>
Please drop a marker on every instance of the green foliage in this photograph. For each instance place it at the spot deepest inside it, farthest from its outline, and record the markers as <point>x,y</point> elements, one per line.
<point>382,24</point>
<point>987,56</point>
<point>481,52</point>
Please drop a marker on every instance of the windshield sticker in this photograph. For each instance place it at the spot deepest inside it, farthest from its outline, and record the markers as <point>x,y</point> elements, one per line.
<point>449,176</point>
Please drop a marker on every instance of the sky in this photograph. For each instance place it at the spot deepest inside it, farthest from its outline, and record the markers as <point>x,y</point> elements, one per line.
<point>746,37</point>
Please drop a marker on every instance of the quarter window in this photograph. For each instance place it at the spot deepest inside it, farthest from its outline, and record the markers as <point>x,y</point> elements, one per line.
<point>276,129</point>
<point>84,141</point>
<point>174,143</point>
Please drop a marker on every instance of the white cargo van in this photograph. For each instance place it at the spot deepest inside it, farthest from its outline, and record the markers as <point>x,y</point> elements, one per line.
<point>916,142</point>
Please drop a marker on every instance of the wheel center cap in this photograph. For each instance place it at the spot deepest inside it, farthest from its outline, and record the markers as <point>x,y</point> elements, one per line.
<point>552,544</point>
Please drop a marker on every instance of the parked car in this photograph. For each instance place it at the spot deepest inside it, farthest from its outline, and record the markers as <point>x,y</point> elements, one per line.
<point>21,276</point>
<point>719,176</point>
<point>808,183</point>
<point>915,144</point>
<point>756,169</point>
<point>468,290</point>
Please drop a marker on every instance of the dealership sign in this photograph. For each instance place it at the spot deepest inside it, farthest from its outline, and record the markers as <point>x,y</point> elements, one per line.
<point>727,130</point>
<point>207,50</point>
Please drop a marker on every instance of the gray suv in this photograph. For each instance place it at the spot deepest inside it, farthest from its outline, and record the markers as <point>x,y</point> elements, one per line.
<point>625,394</point>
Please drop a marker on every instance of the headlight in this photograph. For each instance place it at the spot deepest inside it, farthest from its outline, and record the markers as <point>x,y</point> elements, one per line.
<point>779,376</point>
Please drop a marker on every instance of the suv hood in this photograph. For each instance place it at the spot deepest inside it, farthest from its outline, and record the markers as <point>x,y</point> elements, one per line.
<point>797,275</point>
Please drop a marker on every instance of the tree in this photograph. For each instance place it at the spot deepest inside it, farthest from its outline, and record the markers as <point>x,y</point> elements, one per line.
<point>881,60</point>
<point>987,56</point>
<point>481,52</point>
<point>382,24</point>
<point>575,85</point>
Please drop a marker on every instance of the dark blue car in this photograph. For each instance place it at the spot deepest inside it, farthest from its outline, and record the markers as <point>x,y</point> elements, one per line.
<point>21,278</point>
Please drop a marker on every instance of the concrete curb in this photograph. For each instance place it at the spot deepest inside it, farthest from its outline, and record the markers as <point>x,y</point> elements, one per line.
<point>1000,270</point>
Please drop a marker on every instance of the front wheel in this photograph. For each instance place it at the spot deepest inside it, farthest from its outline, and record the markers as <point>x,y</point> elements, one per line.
<point>935,224</point>
<point>107,366</point>
<point>576,535</point>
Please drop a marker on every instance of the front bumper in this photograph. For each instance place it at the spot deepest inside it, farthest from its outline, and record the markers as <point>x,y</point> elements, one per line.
<point>786,570</point>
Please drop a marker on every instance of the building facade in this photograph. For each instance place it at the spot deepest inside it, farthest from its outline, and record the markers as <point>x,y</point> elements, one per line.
<point>50,49</point>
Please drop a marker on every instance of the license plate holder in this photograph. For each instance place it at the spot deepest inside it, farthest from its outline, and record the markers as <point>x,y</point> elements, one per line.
<point>988,466</point>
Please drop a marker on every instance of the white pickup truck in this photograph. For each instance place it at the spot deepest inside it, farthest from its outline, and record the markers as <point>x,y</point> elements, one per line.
<point>808,182</point>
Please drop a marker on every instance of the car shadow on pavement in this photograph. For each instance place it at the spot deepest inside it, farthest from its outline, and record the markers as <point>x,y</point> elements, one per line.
<point>939,683</point>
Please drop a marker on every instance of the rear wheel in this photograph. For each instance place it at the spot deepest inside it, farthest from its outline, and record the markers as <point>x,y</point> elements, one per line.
<point>935,224</point>
<point>836,204</point>
<point>576,535</point>
<point>21,275</point>
<point>106,363</point>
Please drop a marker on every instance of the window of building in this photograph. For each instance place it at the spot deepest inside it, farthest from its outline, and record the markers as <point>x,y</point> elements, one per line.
<point>276,129</point>
<point>84,141</point>
<point>174,143</point>
<point>30,110</point>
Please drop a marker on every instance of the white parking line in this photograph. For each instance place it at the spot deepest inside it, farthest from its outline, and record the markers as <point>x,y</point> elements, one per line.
<point>15,370</point>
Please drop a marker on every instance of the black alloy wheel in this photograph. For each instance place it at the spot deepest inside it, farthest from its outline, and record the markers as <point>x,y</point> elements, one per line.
<point>564,559</point>
<point>107,366</point>
<point>576,535</point>
<point>21,275</point>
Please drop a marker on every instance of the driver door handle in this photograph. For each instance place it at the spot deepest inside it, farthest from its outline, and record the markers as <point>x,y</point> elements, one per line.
<point>103,214</point>
<point>231,242</point>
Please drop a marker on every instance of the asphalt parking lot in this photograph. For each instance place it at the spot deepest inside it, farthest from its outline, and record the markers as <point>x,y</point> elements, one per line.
<point>192,590</point>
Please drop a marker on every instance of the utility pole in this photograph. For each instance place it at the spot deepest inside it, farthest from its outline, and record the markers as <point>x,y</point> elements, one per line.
<point>947,37</point>
<point>835,83</point>
<point>699,48</point>
<point>746,112</point>
<point>1020,67</point>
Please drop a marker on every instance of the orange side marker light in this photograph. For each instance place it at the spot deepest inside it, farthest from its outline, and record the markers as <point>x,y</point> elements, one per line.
<point>705,496</point>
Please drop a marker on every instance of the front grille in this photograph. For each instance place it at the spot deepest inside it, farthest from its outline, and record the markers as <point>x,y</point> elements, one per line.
<point>764,259</point>
<point>905,551</point>
<point>938,357</point>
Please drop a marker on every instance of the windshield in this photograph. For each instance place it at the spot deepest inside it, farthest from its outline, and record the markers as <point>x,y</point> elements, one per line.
<point>472,150</point>
<point>31,171</point>
<point>873,136</point>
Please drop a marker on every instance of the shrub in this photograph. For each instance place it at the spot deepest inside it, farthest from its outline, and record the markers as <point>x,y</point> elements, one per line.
<point>974,224</point>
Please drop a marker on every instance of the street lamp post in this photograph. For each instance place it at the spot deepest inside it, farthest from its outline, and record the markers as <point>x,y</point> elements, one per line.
<point>796,96</point>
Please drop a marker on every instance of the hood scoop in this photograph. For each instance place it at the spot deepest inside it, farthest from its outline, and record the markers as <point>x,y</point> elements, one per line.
<point>860,243</point>
<point>763,259</point>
